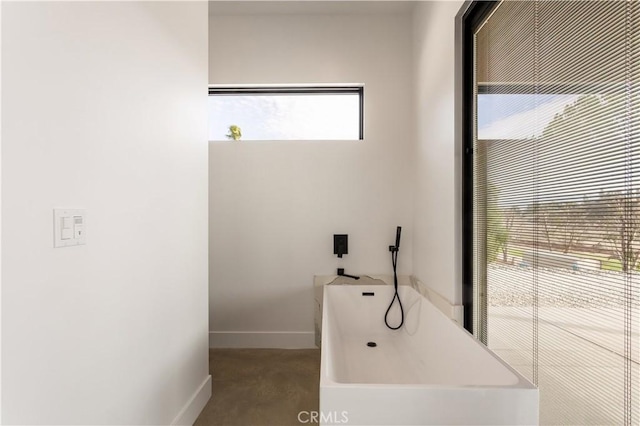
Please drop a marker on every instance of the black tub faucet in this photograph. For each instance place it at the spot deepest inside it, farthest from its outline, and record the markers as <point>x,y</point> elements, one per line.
<point>342,274</point>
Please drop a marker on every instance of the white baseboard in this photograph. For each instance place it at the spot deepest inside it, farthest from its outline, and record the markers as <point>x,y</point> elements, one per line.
<point>262,339</point>
<point>195,405</point>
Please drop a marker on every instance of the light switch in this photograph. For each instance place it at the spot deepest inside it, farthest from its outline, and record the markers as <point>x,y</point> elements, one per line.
<point>66,232</point>
<point>69,227</point>
<point>77,227</point>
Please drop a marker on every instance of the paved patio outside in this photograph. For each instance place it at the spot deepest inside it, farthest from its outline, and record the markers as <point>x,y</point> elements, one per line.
<point>581,362</point>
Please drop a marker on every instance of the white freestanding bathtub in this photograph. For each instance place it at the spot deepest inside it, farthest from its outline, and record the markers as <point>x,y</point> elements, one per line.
<point>431,371</point>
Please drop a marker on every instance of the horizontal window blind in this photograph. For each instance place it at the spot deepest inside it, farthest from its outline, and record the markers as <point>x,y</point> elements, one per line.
<point>556,172</point>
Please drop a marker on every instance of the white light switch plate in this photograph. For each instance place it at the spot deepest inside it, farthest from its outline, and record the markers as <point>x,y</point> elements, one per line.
<point>69,227</point>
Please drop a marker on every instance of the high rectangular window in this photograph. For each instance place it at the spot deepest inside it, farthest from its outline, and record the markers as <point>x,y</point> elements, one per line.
<point>286,113</point>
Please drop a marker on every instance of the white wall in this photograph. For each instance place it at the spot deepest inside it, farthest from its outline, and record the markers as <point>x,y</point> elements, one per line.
<point>274,206</point>
<point>0,215</point>
<point>103,108</point>
<point>436,210</point>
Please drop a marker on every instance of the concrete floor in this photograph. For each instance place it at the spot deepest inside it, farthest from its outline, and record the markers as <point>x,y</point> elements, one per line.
<point>259,387</point>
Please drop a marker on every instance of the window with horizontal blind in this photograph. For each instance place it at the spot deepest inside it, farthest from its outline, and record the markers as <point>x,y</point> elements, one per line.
<point>554,238</point>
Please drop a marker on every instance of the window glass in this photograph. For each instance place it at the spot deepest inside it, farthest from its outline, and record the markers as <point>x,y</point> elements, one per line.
<point>501,115</point>
<point>291,114</point>
<point>553,237</point>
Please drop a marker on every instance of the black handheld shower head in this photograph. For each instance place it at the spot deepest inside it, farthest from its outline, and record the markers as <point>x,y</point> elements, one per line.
<point>397,246</point>
<point>394,262</point>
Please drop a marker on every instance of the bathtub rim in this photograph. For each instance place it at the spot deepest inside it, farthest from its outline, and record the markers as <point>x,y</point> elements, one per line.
<point>327,382</point>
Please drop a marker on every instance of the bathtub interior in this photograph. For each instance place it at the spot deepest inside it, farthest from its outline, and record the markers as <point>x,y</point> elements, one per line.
<point>430,349</point>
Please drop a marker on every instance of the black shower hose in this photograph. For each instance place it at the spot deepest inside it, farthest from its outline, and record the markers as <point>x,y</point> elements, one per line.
<point>394,262</point>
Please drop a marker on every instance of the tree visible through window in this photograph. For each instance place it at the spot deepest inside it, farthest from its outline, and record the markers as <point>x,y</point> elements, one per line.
<point>589,220</point>
<point>552,243</point>
<point>286,113</point>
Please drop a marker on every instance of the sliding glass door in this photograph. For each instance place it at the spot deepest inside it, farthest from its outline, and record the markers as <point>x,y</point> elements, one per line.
<point>555,151</point>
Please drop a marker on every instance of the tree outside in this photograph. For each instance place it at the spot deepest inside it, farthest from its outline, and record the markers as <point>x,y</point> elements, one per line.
<point>605,226</point>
